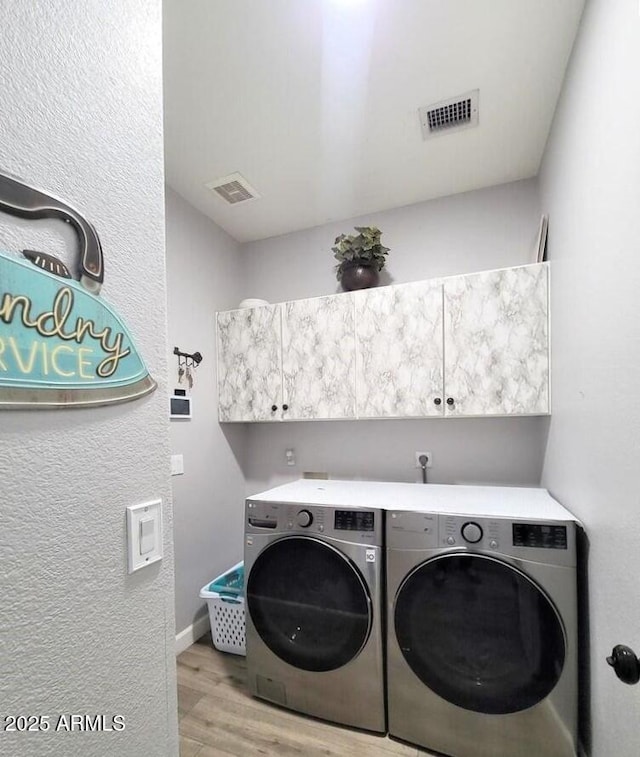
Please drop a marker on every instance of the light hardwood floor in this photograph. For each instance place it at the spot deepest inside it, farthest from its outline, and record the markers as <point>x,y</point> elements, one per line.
<point>219,717</point>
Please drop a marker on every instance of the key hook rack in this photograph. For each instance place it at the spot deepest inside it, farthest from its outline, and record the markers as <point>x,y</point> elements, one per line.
<point>190,358</point>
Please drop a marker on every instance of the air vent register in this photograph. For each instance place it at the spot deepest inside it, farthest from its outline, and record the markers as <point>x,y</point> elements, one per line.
<point>446,116</point>
<point>233,188</point>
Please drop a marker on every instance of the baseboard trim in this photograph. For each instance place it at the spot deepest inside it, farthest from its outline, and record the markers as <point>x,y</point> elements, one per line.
<point>191,634</point>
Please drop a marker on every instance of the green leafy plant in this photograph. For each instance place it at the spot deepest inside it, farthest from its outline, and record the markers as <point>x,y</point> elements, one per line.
<point>363,248</point>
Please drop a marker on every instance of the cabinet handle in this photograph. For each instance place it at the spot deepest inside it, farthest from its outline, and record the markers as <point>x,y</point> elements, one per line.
<point>437,401</point>
<point>274,408</point>
<point>450,400</point>
<point>285,407</point>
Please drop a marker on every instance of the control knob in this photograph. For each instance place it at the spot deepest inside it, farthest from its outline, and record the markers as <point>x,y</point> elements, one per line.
<point>304,518</point>
<point>471,532</point>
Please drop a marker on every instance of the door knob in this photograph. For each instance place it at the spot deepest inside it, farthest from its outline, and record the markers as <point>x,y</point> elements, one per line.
<point>625,664</point>
<point>437,401</point>
<point>274,408</point>
<point>450,400</point>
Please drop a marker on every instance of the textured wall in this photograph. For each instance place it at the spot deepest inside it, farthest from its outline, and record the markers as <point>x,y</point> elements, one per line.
<point>82,118</point>
<point>203,276</point>
<point>590,186</point>
<point>490,228</point>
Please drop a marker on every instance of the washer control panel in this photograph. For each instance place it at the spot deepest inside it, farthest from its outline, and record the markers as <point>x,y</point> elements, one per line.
<point>362,525</point>
<point>460,531</point>
<point>304,518</point>
<point>354,520</point>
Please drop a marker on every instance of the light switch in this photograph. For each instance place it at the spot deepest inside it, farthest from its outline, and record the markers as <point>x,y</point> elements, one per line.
<point>147,540</point>
<point>144,534</point>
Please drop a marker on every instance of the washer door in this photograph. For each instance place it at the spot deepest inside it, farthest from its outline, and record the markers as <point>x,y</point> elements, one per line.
<point>309,603</point>
<point>479,633</point>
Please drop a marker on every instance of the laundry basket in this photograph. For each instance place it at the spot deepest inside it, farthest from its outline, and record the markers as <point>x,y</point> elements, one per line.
<point>225,601</point>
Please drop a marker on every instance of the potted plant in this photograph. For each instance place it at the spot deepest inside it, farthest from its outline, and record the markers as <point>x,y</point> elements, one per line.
<point>360,258</point>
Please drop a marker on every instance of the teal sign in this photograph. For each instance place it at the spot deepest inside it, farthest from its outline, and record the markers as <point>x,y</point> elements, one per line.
<point>60,344</point>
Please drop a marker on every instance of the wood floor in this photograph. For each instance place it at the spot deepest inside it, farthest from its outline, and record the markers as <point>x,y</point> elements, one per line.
<point>219,717</point>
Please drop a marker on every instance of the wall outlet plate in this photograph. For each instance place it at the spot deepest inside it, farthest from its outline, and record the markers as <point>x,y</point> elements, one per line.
<point>429,459</point>
<point>177,465</point>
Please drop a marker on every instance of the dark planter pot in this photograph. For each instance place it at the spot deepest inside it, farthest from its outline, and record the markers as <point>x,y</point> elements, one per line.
<point>357,275</point>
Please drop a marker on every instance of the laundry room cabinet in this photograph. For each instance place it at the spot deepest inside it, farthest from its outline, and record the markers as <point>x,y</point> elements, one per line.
<point>471,345</point>
<point>249,363</point>
<point>399,356</point>
<point>496,342</point>
<point>291,361</point>
<point>468,345</point>
<point>318,358</point>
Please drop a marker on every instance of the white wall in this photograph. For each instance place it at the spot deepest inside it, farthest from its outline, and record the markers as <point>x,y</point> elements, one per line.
<point>503,451</point>
<point>82,117</point>
<point>590,186</point>
<point>490,228</point>
<point>203,268</point>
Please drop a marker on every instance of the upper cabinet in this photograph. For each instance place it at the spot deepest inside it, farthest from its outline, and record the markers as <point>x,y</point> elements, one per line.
<point>293,361</point>
<point>399,357</point>
<point>496,342</point>
<point>318,358</point>
<point>249,364</point>
<point>471,345</point>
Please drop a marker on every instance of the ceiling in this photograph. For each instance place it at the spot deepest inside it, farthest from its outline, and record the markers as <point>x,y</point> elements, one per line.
<point>315,102</point>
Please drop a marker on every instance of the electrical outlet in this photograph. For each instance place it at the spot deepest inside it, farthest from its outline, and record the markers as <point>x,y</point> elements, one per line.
<point>429,459</point>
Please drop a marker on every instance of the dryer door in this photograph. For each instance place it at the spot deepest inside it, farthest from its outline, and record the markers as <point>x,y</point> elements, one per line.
<point>309,603</point>
<point>479,633</point>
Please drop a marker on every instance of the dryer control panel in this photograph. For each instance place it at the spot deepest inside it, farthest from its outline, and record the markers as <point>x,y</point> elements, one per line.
<point>548,541</point>
<point>539,536</point>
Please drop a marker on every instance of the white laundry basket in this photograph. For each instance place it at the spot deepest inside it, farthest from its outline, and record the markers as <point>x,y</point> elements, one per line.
<point>225,602</point>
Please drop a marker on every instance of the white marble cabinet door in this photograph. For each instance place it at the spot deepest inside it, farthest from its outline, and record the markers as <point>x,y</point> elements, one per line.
<point>399,366</point>
<point>496,342</point>
<point>249,364</point>
<point>318,358</point>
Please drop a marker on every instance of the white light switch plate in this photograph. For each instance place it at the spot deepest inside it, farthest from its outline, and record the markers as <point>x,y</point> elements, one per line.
<point>144,534</point>
<point>177,465</point>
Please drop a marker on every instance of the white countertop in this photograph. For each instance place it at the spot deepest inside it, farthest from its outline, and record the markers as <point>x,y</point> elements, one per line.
<point>499,501</point>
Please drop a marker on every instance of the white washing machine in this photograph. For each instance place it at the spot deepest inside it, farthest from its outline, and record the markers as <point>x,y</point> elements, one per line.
<point>314,631</point>
<point>482,623</point>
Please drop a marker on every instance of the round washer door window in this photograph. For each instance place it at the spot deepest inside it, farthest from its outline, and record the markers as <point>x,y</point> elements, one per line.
<point>309,603</point>
<point>479,633</point>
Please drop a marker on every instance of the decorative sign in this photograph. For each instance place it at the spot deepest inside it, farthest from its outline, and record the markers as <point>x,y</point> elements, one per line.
<point>60,344</point>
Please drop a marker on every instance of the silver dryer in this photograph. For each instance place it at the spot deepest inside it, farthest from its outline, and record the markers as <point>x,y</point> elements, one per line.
<point>482,631</point>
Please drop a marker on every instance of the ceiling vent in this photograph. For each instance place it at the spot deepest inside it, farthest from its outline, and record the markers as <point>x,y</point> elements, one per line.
<point>454,114</point>
<point>233,188</point>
